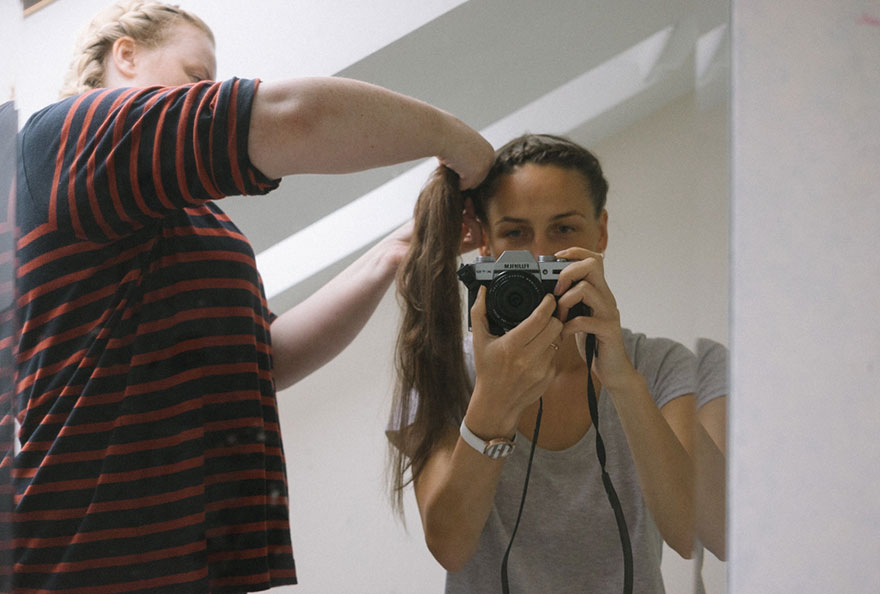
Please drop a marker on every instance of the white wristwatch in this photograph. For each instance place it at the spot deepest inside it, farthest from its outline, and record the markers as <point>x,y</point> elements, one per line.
<point>500,447</point>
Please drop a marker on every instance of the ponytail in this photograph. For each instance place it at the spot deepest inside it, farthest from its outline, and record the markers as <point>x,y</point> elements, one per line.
<point>432,390</point>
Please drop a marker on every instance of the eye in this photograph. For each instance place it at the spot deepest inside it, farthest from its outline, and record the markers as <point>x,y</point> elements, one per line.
<point>565,229</point>
<point>196,73</point>
<point>516,235</point>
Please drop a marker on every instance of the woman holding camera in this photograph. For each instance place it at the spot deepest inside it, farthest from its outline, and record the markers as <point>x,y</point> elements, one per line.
<point>455,416</point>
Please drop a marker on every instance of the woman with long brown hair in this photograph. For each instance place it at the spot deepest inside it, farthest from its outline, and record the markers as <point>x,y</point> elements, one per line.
<point>467,405</point>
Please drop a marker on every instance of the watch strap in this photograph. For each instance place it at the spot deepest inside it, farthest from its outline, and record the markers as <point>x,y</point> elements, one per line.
<point>500,447</point>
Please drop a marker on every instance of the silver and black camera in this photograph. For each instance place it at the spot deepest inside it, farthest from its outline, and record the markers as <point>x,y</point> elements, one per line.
<point>515,285</point>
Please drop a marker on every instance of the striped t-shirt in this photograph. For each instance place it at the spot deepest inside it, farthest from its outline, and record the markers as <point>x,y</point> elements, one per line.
<point>151,456</point>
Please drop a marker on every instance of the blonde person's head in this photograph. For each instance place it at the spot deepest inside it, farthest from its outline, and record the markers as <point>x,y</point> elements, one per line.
<point>147,22</point>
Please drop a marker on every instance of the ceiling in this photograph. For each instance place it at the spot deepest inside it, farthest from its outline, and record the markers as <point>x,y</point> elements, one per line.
<point>504,67</point>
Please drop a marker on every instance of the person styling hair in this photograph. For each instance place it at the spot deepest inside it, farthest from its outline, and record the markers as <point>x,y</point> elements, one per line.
<point>148,362</point>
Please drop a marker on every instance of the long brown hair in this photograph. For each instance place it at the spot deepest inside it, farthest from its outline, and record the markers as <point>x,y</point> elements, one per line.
<point>429,358</point>
<point>432,390</point>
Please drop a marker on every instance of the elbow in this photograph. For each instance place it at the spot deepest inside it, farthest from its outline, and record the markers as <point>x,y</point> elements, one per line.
<point>447,554</point>
<point>720,553</point>
<point>685,552</point>
<point>683,542</point>
<point>716,546</point>
<point>451,550</point>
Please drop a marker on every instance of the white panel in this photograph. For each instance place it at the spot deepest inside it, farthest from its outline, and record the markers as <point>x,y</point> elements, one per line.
<point>805,465</point>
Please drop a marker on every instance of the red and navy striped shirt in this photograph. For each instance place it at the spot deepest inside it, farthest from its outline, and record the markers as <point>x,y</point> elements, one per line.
<point>151,457</point>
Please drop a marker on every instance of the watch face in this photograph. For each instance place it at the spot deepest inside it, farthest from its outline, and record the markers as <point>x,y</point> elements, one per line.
<point>499,449</point>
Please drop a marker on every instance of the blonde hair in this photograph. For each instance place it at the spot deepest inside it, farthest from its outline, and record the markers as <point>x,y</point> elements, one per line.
<point>145,21</point>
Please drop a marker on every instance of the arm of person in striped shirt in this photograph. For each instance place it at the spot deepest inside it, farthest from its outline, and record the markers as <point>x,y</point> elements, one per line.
<point>338,125</point>
<point>312,333</point>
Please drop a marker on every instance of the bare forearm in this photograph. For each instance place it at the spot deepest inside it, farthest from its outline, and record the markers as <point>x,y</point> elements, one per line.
<point>711,485</point>
<point>337,125</point>
<point>458,491</point>
<point>663,464</point>
<point>455,492</point>
<point>311,334</point>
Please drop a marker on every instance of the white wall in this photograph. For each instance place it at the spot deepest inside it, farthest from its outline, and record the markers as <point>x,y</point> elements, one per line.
<point>345,539</point>
<point>10,29</point>
<point>668,221</point>
<point>804,504</point>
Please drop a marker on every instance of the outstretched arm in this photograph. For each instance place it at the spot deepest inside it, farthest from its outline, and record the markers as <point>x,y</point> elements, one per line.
<point>311,334</point>
<point>338,125</point>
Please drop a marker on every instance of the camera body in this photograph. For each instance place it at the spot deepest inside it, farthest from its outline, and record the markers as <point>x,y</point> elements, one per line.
<point>515,284</point>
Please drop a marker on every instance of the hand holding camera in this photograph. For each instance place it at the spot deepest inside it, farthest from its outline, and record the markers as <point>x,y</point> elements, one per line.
<point>512,371</point>
<point>516,283</point>
<point>516,335</point>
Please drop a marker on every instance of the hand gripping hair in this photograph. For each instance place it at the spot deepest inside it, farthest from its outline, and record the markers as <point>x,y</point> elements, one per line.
<point>429,357</point>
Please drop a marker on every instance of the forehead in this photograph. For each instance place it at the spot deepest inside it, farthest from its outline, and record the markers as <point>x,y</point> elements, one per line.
<point>189,42</point>
<point>535,192</point>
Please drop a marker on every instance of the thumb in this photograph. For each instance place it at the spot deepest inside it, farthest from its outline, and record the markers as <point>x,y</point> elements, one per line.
<point>479,323</point>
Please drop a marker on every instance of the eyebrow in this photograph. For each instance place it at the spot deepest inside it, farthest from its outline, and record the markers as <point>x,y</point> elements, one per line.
<point>562,215</point>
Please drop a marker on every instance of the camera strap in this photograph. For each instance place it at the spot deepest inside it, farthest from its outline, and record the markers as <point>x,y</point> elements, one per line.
<point>590,349</point>
<point>505,588</point>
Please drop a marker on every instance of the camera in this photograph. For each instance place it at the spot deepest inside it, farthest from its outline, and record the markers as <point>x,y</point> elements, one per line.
<point>515,285</point>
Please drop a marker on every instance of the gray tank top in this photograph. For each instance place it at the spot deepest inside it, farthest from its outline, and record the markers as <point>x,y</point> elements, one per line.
<point>568,539</point>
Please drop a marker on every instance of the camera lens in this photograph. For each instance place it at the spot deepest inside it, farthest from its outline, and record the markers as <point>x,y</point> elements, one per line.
<point>512,296</point>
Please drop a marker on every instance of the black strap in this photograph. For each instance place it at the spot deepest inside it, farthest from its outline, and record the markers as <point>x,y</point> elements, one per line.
<point>590,348</point>
<point>505,588</point>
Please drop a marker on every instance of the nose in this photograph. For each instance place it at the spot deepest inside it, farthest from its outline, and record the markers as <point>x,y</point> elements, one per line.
<point>542,246</point>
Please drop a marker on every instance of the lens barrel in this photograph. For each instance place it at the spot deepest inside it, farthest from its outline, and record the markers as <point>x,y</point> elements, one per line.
<point>512,296</point>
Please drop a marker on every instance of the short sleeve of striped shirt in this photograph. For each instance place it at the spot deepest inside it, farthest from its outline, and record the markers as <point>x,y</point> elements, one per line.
<point>106,163</point>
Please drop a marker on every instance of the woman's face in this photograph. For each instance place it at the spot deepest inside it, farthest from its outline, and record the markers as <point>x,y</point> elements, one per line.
<point>186,56</point>
<point>543,209</point>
